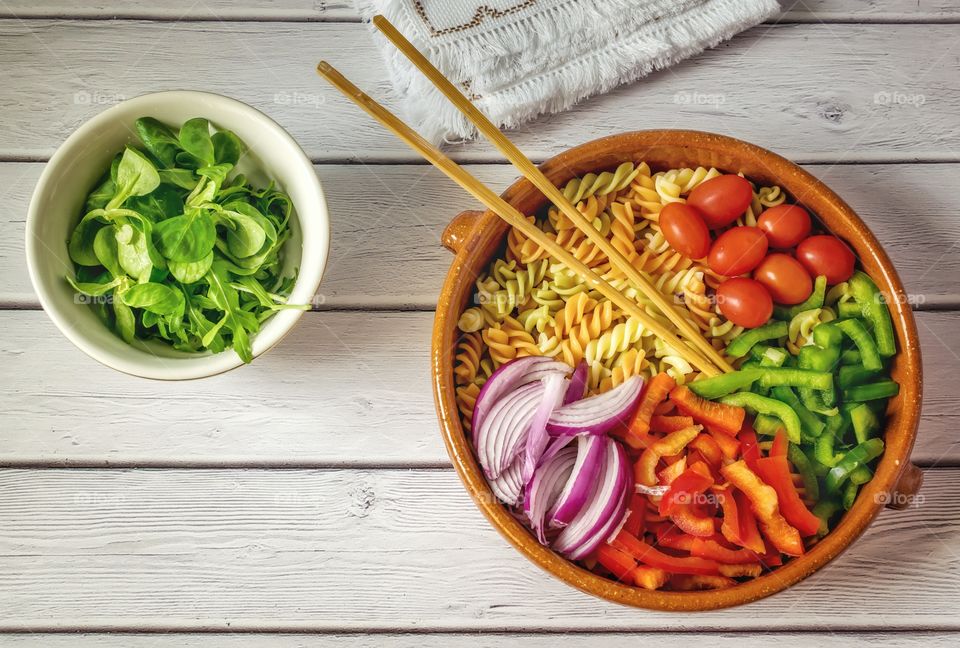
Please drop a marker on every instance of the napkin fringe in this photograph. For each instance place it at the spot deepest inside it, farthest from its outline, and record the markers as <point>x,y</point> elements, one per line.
<point>597,63</point>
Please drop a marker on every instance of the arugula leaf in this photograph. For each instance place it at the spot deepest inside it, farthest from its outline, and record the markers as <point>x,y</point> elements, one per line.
<point>238,321</point>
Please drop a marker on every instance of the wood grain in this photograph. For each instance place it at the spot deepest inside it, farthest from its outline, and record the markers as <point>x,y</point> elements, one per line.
<point>343,389</point>
<point>387,221</point>
<point>853,95</point>
<point>476,640</point>
<point>230,550</point>
<point>342,10</point>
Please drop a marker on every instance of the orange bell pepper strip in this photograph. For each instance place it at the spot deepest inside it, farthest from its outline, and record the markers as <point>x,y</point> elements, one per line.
<point>684,489</point>
<point>713,550</point>
<point>672,471</point>
<point>749,532</point>
<point>649,578</point>
<point>638,514</point>
<point>616,562</point>
<point>653,558</point>
<point>709,448</point>
<point>775,471</point>
<point>730,526</point>
<point>667,424</point>
<point>749,446</point>
<point>644,470</point>
<point>688,519</point>
<point>690,583</point>
<point>763,501</point>
<point>725,418</point>
<point>656,392</point>
<point>673,538</point>
<point>748,570</point>
<point>780,444</point>
<point>729,445</point>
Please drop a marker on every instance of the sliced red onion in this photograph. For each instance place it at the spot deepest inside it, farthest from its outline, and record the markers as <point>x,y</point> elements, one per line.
<point>546,486</point>
<point>604,508</point>
<point>508,377</point>
<point>554,388</point>
<point>598,414</point>
<point>582,480</point>
<point>503,431</point>
<point>578,384</point>
<point>508,485</point>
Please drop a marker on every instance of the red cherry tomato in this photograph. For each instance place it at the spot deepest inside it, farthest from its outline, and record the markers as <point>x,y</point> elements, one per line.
<point>685,231</point>
<point>826,255</point>
<point>721,200</point>
<point>745,302</point>
<point>737,251</point>
<point>785,225</point>
<point>785,278</point>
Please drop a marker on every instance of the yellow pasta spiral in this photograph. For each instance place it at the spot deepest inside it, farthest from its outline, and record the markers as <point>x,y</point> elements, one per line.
<point>466,363</point>
<point>466,401</point>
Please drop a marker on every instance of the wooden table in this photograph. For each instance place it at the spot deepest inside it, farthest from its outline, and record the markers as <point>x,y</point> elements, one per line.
<point>308,496</point>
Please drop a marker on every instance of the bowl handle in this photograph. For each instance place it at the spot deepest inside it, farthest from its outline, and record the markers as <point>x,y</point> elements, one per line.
<point>907,487</point>
<point>457,233</point>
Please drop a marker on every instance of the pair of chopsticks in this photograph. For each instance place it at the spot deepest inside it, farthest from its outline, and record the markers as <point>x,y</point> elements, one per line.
<point>698,353</point>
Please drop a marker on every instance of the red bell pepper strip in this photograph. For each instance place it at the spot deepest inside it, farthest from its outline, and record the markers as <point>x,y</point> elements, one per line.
<point>656,392</point>
<point>780,444</point>
<point>749,446</point>
<point>644,470</point>
<point>748,570</point>
<point>729,445</point>
<point>730,526</point>
<point>749,532</point>
<point>683,489</point>
<point>649,578</point>
<point>673,538</point>
<point>709,448</point>
<point>713,550</point>
<point>763,501</point>
<point>726,418</point>
<point>654,558</point>
<point>672,471</point>
<point>616,562</point>
<point>638,513</point>
<point>775,471</point>
<point>688,519</point>
<point>667,424</point>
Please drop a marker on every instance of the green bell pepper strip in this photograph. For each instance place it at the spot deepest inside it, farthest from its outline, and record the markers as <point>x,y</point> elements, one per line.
<point>851,357</point>
<point>823,360</point>
<point>859,335</point>
<point>825,509</point>
<point>874,308</point>
<point>847,310</point>
<point>858,477</point>
<point>818,359</point>
<point>764,405</point>
<point>865,423</point>
<point>804,468</point>
<point>823,448</point>
<point>850,376</point>
<point>741,345</point>
<point>767,425</point>
<point>717,386</point>
<point>827,335</point>
<point>778,376</point>
<point>871,391</point>
<point>810,424</point>
<point>860,455</point>
<point>773,357</point>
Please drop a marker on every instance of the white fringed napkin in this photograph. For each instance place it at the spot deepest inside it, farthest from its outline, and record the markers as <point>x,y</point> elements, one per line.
<point>517,59</point>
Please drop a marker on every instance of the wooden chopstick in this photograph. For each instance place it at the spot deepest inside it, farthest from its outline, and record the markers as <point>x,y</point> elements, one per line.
<point>551,191</point>
<point>510,214</point>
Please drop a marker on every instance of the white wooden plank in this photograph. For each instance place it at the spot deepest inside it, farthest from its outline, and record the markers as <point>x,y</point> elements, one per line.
<point>342,10</point>
<point>853,95</point>
<point>387,221</point>
<point>342,389</point>
<point>385,550</point>
<point>479,640</point>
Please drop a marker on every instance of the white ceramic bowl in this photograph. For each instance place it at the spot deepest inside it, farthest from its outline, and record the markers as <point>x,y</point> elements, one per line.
<point>76,166</point>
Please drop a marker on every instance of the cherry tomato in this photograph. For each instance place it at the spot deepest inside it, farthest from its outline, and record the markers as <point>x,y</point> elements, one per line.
<point>722,199</point>
<point>785,225</point>
<point>745,302</point>
<point>685,231</point>
<point>787,280</point>
<point>738,250</point>
<point>826,255</point>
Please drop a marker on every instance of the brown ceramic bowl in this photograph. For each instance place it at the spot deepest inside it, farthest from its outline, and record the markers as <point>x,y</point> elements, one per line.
<point>475,237</point>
